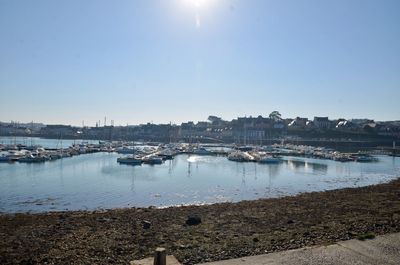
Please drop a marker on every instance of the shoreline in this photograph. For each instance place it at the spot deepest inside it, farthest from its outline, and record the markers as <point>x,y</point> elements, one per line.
<point>228,230</point>
<point>163,207</point>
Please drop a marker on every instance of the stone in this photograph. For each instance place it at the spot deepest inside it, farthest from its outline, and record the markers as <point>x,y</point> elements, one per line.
<point>193,220</point>
<point>396,216</point>
<point>146,224</point>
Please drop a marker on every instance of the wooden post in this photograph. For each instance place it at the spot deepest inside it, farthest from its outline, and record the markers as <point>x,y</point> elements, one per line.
<point>160,257</point>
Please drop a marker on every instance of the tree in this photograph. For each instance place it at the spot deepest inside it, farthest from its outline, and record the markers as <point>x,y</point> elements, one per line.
<point>275,116</point>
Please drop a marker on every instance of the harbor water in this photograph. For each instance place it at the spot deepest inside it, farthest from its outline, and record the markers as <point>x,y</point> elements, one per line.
<point>97,181</point>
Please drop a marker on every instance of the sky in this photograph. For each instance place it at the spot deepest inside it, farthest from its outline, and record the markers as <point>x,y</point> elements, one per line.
<point>161,61</point>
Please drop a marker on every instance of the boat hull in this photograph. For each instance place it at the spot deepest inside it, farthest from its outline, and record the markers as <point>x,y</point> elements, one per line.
<point>128,161</point>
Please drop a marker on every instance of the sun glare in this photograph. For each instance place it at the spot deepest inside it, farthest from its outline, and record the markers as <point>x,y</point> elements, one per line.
<point>197,3</point>
<point>198,6</point>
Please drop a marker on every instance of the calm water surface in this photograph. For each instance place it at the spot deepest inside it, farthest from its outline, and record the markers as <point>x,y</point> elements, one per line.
<point>96,181</point>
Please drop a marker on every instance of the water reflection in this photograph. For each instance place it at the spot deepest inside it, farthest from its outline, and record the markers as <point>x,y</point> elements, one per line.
<point>97,180</point>
<point>316,168</point>
<point>133,183</point>
<point>243,175</point>
<point>61,170</point>
<point>189,173</point>
<point>273,170</point>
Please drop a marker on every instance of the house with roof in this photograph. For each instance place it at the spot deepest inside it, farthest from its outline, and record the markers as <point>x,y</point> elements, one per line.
<point>322,123</point>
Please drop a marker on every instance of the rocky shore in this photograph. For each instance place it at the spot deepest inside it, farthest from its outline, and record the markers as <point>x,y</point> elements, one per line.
<point>220,231</point>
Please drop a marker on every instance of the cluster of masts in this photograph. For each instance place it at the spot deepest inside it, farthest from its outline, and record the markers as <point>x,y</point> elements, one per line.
<point>37,154</point>
<point>154,153</point>
<point>326,153</point>
<point>260,154</point>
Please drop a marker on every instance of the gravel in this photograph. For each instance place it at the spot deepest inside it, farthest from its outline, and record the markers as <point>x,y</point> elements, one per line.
<point>227,230</point>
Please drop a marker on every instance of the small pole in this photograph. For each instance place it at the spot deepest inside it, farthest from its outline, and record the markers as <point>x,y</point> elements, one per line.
<point>160,257</point>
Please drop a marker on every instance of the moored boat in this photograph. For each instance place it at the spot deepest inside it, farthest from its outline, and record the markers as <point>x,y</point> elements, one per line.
<point>5,158</point>
<point>201,151</point>
<point>130,160</point>
<point>239,156</point>
<point>32,159</point>
<point>153,160</point>
<point>268,159</point>
<point>366,158</point>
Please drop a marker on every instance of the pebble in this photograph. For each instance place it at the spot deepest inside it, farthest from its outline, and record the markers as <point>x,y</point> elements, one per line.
<point>193,220</point>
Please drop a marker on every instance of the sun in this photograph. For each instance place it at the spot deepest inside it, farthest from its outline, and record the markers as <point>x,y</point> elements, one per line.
<point>197,3</point>
<point>198,8</point>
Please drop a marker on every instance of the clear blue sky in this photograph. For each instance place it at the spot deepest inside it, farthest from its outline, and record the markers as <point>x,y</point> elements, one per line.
<point>179,60</point>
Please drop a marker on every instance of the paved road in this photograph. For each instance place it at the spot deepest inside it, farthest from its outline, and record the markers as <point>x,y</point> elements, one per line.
<point>381,250</point>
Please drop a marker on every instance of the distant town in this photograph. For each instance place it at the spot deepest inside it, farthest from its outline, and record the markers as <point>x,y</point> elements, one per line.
<point>243,130</point>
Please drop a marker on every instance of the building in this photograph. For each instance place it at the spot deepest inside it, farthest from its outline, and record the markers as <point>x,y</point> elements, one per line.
<point>322,123</point>
<point>298,123</point>
<point>59,131</point>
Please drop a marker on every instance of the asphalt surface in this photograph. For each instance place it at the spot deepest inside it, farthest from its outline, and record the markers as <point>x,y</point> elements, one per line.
<point>383,249</point>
